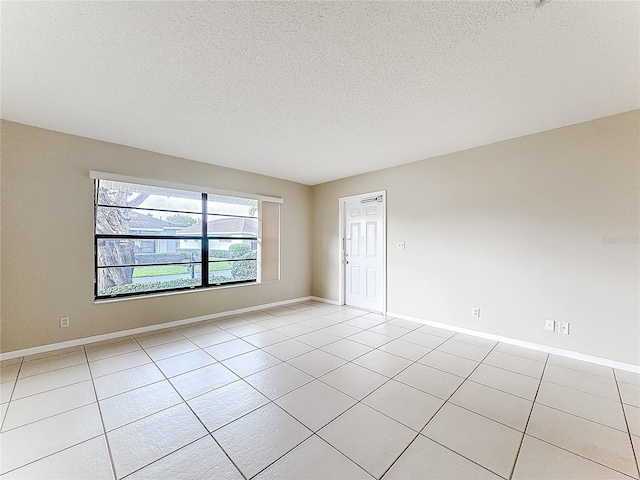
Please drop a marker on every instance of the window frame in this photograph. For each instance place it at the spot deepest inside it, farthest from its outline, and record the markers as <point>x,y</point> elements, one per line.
<point>204,239</point>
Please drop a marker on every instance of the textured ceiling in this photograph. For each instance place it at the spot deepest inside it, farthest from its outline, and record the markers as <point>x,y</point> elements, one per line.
<point>310,91</point>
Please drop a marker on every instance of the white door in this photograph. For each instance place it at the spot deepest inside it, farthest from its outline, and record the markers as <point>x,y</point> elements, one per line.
<point>364,252</point>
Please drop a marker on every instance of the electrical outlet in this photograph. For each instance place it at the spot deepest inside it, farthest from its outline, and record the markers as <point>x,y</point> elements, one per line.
<point>475,312</point>
<point>563,327</point>
<point>401,245</point>
<point>550,325</point>
<point>293,288</point>
<point>64,322</point>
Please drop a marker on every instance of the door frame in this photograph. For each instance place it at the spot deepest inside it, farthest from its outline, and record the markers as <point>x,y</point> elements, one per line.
<point>342,294</point>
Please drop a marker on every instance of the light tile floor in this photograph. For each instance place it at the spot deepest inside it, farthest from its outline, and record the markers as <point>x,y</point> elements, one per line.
<point>314,391</point>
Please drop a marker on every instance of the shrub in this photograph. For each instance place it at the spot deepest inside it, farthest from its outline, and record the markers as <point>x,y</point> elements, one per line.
<point>239,250</point>
<point>217,279</point>
<point>246,270</point>
<point>150,286</point>
<point>185,251</point>
<point>184,255</point>
<point>218,254</point>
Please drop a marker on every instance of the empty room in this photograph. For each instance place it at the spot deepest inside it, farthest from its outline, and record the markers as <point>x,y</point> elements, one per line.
<point>320,240</point>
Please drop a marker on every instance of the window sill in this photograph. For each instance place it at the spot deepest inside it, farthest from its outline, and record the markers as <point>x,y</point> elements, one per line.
<point>182,292</point>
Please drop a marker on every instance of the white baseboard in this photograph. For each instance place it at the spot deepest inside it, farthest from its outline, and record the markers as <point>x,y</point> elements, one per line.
<point>325,300</point>
<point>177,323</point>
<point>150,328</point>
<point>521,343</point>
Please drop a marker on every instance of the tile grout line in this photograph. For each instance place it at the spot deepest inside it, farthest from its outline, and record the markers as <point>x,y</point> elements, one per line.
<point>313,433</point>
<point>388,379</point>
<point>317,348</point>
<point>504,391</point>
<point>512,371</point>
<point>584,372</point>
<point>288,451</point>
<point>548,381</point>
<point>13,389</point>
<point>520,355</point>
<point>125,369</point>
<point>133,390</point>
<point>50,416</point>
<point>184,401</point>
<point>313,378</point>
<point>143,349</point>
<point>591,460</point>
<point>358,365</point>
<point>242,377</point>
<point>35,421</point>
<point>438,411</point>
<point>585,393</point>
<point>626,421</point>
<point>44,373</point>
<point>334,448</point>
<point>164,456</point>
<point>144,417</point>
<point>91,378</point>
<point>104,430</point>
<point>269,402</point>
<point>356,400</point>
<point>50,354</point>
<point>95,393</point>
<point>53,369</point>
<point>582,418</point>
<point>466,458</point>
<point>51,390</point>
<point>314,348</point>
<point>489,418</point>
<point>243,338</point>
<point>52,454</point>
<point>526,426</point>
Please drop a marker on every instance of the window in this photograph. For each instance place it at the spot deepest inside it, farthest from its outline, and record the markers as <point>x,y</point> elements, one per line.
<point>150,239</point>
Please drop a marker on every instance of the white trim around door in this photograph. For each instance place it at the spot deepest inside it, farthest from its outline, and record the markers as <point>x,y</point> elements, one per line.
<point>342,239</point>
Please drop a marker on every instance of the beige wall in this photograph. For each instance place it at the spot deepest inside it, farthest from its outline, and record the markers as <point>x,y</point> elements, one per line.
<point>515,228</point>
<point>47,244</point>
